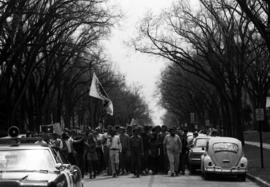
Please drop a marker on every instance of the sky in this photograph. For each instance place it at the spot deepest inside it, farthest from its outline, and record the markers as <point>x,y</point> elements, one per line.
<point>139,69</point>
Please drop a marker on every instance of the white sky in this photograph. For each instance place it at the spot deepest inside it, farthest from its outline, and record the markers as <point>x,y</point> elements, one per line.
<point>138,68</point>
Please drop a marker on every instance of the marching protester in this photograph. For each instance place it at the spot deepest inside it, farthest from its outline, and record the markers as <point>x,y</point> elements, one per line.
<point>163,162</point>
<point>153,152</point>
<point>115,149</point>
<point>125,154</point>
<point>136,145</point>
<point>92,157</point>
<point>99,148</point>
<point>145,150</point>
<point>144,134</point>
<point>79,145</point>
<point>184,153</point>
<point>173,146</point>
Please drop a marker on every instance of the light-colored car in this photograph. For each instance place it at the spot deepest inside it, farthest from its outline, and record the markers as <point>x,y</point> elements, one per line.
<point>196,151</point>
<point>25,163</point>
<point>224,155</point>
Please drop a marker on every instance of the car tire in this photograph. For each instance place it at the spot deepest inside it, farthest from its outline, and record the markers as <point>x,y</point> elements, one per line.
<point>242,177</point>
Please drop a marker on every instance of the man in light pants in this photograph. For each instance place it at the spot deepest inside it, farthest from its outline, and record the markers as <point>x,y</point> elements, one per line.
<point>115,149</point>
<point>173,146</point>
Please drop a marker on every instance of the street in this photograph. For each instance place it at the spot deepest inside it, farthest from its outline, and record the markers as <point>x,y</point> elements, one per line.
<point>163,181</point>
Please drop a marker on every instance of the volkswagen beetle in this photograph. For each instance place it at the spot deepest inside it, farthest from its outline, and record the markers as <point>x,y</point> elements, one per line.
<point>224,155</point>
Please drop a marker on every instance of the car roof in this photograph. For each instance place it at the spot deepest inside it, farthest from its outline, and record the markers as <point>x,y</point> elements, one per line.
<point>22,146</point>
<point>203,136</point>
<point>224,139</point>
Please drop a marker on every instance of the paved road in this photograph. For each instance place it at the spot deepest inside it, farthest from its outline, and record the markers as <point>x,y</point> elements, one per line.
<point>257,144</point>
<point>163,181</point>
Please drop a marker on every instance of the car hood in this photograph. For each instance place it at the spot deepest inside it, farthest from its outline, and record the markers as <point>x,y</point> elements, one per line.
<point>28,176</point>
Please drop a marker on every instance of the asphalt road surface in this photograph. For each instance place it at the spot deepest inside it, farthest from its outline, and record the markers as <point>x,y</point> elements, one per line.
<point>164,181</point>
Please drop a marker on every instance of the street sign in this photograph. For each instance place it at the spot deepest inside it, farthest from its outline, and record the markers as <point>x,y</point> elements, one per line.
<point>259,114</point>
<point>192,117</point>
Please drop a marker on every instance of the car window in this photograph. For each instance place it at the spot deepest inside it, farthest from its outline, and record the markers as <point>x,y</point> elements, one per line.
<point>56,156</point>
<point>27,159</point>
<point>225,146</point>
<point>201,142</point>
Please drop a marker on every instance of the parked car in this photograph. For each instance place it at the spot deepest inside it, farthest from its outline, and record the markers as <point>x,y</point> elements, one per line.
<point>24,163</point>
<point>224,155</point>
<point>196,151</point>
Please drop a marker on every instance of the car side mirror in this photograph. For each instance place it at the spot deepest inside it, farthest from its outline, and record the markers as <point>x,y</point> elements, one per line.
<point>58,166</point>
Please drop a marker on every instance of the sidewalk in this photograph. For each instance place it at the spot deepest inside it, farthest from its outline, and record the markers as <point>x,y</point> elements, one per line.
<point>257,144</point>
<point>252,152</point>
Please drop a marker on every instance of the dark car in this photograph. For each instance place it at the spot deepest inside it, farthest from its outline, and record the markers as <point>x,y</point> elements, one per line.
<point>197,149</point>
<point>23,163</point>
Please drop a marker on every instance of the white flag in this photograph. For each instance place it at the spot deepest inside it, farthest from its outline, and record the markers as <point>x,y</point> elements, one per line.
<point>97,91</point>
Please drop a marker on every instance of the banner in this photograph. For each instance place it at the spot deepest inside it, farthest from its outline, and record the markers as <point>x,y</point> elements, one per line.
<point>52,128</point>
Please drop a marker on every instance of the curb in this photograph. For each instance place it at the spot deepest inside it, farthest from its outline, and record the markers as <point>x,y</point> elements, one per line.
<point>258,180</point>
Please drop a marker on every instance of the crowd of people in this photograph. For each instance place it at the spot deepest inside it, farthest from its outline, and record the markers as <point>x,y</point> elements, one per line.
<point>122,150</point>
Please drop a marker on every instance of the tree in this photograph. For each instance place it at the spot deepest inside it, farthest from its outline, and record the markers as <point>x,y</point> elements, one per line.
<point>183,93</point>
<point>259,13</point>
<point>212,45</point>
<point>41,42</point>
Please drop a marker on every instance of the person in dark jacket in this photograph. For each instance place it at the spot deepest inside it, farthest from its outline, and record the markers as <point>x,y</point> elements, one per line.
<point>80,148</point>
<point>184,153</point>
<point>145,135</point>
<point>92,157</point>
<point>124,155</point>
<point>153,152</point>
<point>136,146</point>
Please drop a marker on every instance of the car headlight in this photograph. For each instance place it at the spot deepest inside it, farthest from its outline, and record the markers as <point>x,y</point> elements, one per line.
<point>243,162</point>
<point>208,161</point>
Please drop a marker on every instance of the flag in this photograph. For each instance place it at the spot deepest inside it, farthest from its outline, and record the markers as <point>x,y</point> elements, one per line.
<point>109,107</point>
<point>97,91</point>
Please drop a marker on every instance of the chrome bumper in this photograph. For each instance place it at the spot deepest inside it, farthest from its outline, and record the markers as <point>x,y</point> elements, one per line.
<point>225,171</point>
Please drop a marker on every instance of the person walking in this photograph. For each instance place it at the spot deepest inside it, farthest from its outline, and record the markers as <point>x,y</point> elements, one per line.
<point>136,146</point>
<point>115,149</point>
<point>173,146</point>
<point>125,142</point>
<point>153,152</point>
<point>163,162</point>
<point>80,147</point>
<point>184,153</point>
<point>92,157</point>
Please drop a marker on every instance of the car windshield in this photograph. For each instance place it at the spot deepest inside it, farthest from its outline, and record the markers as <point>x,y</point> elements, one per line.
<point>201,142</point>
<point>225,146</point>
<point>26,159</point>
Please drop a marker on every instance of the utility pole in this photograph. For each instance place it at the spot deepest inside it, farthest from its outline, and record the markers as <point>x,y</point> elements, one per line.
<point>260,120</point>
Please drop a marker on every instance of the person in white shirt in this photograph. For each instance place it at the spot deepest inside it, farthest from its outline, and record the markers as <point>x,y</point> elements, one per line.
<point>115,149</point>
<point>173,146</point>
